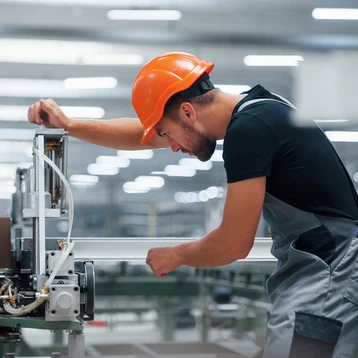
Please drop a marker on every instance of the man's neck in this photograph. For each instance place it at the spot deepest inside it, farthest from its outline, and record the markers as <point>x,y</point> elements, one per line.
<point>220,113</point>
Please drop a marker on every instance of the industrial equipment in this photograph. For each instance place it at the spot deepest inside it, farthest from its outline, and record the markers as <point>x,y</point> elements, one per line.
<point>41,285</point>
<point>49,282</point>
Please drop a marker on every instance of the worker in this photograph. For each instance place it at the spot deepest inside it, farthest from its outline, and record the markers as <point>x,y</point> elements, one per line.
<point>274,163</point>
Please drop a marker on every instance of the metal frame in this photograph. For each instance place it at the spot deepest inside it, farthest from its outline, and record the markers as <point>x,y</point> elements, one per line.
<point>136,249</point>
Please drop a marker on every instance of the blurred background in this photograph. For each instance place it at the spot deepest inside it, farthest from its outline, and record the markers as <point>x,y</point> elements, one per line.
<point>85,54</point>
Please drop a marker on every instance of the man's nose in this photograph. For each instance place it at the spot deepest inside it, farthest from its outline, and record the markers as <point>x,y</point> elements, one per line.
<point>173,144</point>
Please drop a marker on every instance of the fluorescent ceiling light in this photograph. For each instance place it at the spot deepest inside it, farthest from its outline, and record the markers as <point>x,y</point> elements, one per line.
<point>342,136</point>
<point>179,171</point>
<point>330,120</point>
<point>153,15</point>
<point>90,82</point>
<point>272,60</point>
<point>156,172</point>
<point>136,154</point>
<point>335,14</point>
<point>101,169</point>
<point>83,112</point>
<point>355,177</point>
<point>6,183</point>
<point>120,162</point>
<point>195,164</point>
<point>19,113</point>
<point>15,147</point>
<point>83,179</point>
<point>112,59</point>
<point>217,156</point>
<point>16,134</point>
<point>233,89</point>
<point>8,189</point>
<point>56,52</point>
<point>150,181</point>
<point>132,187</point>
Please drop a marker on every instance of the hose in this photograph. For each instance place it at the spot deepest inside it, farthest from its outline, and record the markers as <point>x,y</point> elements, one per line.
<point>68,189</point>
<point>66,250</point>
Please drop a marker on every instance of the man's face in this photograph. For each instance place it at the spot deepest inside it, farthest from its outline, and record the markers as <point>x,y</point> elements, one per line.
<point>185,137</point>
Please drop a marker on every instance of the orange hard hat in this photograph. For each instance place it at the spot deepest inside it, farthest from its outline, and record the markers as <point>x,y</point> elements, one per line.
<point>159,80</point>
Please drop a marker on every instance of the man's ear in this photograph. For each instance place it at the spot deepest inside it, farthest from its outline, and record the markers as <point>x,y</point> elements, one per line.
<point>188,111</point>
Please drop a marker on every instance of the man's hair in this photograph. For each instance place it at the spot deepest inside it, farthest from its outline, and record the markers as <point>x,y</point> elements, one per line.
<point>174,102</point>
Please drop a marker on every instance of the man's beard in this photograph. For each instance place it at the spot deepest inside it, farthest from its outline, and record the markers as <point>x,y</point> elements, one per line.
<point>201,146</point>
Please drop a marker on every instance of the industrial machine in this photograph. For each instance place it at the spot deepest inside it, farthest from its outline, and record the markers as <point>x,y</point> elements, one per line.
<point>41,285</point>
<point>49,282</point>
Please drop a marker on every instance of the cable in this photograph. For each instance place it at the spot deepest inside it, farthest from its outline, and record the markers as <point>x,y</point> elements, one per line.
<point>66,250</point>
<point>68,189</point>
<point>23,309</point>
<point>70,245</point>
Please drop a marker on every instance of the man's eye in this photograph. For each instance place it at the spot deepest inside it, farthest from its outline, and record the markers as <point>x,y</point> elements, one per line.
<point>164,134</point>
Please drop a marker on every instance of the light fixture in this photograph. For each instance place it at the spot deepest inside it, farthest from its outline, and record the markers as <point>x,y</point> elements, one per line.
<point>136,154</point>
<point>19,113</point>
<point>335,14</point>
<point>195,164</point>
<point>74,53</point>
<point>342,136</point>
<point>83,112</point>
<point>120,162</point>
<point>201,196</point>
<point>78,179</point>
<point>272,60</point>
<point>145,15</point>
<point>16,134</point>
<point>16,147</point>
<point>8,189</point>
<point>233,89</point>
<point>150,181</point>
<point>179,171</point>
<point>101,169</point>
<point>90,82</point>
<point>217,156</point>
<point>131,187</point>
<point>330,120</point>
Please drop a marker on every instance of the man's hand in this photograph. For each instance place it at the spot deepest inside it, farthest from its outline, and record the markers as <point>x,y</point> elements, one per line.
<point>163,260</point>
<point>48,113</point>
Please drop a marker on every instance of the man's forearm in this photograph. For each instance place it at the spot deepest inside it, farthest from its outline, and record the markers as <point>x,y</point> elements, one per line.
<point>210,251</point>
<point>123,133</point>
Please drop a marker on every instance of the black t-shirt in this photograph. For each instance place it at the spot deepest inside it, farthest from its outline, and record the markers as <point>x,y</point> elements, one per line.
<point>300,163</point>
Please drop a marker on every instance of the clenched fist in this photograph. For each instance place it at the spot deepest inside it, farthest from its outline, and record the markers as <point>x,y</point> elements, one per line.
<point>163,260</point>
<point>48,113</point>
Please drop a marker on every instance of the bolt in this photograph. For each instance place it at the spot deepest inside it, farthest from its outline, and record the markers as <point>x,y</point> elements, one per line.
<point>70,272</point>
<point>52,254</point>
<point>70,254</point>
<point>75,311</point>
<point>53,311</point>
<point>75,289</point>
<point>53,288</point>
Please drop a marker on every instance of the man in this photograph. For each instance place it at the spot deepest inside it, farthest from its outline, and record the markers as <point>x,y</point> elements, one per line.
<point>288,169</point>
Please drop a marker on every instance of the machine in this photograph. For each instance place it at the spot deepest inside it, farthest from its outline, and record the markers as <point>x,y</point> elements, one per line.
<point>41,285</point>
<point>49,282</point>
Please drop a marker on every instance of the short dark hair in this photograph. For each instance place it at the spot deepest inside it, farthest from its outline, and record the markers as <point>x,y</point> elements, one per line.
<point>177,99</point>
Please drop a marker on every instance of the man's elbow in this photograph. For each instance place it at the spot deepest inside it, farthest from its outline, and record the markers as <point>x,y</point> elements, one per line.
<point>241,251</point>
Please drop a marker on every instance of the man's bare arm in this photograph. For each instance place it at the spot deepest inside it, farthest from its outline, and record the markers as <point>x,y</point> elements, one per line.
<point>122,133</point>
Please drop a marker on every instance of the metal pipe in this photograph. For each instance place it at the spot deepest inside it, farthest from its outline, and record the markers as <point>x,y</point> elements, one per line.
<point>136,249</point>
<point>39,263</point>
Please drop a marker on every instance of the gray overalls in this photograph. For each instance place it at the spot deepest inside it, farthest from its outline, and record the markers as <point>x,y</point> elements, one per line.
<point>310,297</point>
